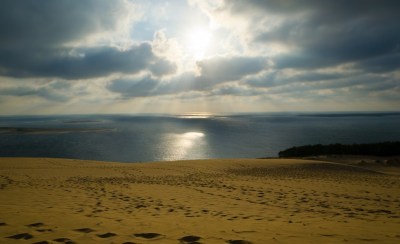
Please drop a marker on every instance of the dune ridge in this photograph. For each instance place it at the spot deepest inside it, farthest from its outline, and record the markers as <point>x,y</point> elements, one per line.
<point>46,200</point>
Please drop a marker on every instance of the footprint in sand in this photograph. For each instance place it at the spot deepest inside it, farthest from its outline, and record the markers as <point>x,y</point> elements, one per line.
<point>44,230</point>
<point>38,224</point>
<point>3,224</point>
<point>190,239</point>
<point>107,235</point>
<point>84,230</point>
<point>41,242</point>
<point>152,236</point>
<point>24,236</point>
<point>64,240</point>
<point>239,242</point>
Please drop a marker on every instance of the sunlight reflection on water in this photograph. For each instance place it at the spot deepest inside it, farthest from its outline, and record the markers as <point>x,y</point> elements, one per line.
<point>194,115</point>
<point>185,145</point>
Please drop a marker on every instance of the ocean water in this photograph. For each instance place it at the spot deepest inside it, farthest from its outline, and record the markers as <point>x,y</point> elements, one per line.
<point>128,138</point>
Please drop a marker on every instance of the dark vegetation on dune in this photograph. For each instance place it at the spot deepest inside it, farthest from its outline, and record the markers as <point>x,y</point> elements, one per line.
<point>372,149</point>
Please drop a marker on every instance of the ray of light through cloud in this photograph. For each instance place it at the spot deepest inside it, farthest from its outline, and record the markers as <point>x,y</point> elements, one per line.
<point>177,56</point>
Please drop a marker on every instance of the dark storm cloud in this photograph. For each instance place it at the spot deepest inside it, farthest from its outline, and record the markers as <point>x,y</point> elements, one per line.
<point>381,64</point>
<point>44,23</point>
<point>326,46</point>
<point>34,38</point>
<point>325,33</point>
<point>334,10</point>
<point>84,63</point>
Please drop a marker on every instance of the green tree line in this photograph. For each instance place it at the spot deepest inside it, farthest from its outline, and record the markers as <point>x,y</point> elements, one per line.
<point>371,149</point>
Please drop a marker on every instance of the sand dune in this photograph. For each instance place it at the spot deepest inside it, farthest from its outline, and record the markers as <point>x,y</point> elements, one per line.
<point>206,201</point>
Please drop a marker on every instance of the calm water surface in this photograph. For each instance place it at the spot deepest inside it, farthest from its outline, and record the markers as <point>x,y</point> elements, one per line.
<point>153,138</point>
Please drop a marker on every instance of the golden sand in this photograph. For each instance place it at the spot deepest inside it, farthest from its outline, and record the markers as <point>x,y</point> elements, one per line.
<point>206,201</point>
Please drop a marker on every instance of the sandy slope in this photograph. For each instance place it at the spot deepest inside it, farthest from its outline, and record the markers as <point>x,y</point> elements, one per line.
<point>208,201</point>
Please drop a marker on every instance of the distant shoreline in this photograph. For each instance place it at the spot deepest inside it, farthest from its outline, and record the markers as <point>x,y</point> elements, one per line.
<point>23,130</point>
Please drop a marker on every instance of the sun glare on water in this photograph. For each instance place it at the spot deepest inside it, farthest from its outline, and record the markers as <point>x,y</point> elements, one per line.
<point>197,43</point>
<point>183,145</point>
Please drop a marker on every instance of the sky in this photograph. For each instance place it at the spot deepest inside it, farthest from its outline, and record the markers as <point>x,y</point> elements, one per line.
<point>211,56</point>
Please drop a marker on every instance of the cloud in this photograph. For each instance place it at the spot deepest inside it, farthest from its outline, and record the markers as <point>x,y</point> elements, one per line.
<point>284,77</point>
<point>128,88</point>
<point>318,34</point>
<point>333,10</point>
<point>233,68</point>
<point>326,48</point>
<point>235,89</point>
<point>148,86</point>
<point>55,91</point>
<point>112,52</point>
<point>316,46</point>
<point>85,62</point>
<point>47,39</point>
<point>163,67</point>
<point>212,72</point>
<point>48,24</point>
<point>381,64</point>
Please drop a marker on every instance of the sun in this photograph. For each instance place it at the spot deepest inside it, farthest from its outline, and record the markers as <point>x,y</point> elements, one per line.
<point>197,43</point>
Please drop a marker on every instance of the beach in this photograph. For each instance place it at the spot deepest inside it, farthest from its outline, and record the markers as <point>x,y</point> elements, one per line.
<point>240,201</point>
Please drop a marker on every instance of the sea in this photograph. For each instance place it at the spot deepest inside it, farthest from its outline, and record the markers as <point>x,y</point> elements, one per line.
<point>146,138</point>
